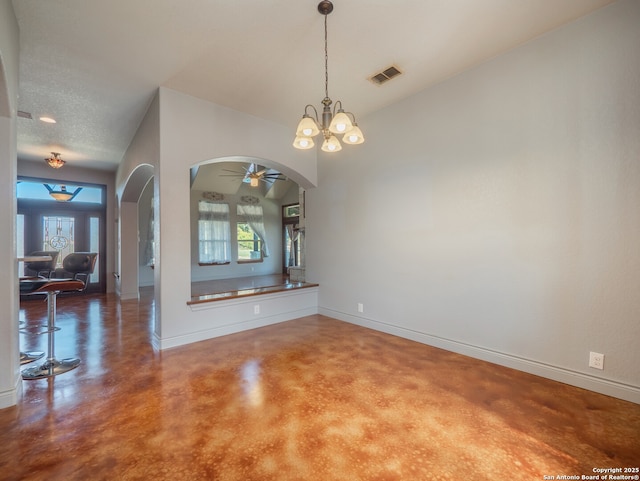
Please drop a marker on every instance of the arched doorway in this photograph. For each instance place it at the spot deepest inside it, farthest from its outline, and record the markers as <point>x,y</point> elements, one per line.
<point>127,285</point>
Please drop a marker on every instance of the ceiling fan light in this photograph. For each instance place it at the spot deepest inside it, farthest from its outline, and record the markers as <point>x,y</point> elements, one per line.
<point>340,123</point>
<point>331,144</point>
<point>353,136</point>
<point>303,143</point>
<point>253,182</point>
<point>307,127</point>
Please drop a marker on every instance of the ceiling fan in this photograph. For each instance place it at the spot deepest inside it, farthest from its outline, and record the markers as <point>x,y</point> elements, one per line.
<point>254,174</point>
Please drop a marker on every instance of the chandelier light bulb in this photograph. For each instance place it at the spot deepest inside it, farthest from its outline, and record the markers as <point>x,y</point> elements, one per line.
<point>353,136</point>
<point>341,123</point>
<point>302,142</point>
<point>331,144</point>
<point>307,127</point>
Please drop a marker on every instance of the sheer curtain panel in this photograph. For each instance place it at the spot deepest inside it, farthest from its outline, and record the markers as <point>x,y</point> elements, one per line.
<point>214,233</point>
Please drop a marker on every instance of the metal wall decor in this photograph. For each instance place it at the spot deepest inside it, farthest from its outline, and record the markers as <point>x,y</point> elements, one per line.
<point>212,196</point>
<point>249,199</point>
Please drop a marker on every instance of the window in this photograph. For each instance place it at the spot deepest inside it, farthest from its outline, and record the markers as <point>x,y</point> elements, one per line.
<point>249,244</point>
<point>59,235</point>
<point>290,211</point>
<point>251,234</point>
<point>214,233</point>
<point>41,190</point>
<point>291,236</point>
<point>94,245</point>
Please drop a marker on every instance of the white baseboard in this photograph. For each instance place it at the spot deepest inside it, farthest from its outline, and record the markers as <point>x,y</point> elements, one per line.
<point>126,296</point>
<point>10,397</point>
<point>218,331</point>
<point>573,378</point>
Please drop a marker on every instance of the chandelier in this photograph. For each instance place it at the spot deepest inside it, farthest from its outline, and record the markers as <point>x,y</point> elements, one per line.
<point>62,194</point>
<point>331,123</point>
<point>55,161</point>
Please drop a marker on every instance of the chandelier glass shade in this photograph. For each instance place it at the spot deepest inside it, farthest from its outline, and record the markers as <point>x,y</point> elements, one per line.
<point>55,161</point>
<point>331,122</point>
<point>62,194</point>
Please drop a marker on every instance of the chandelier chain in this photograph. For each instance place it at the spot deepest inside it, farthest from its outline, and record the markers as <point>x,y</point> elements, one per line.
<point>326,61</point>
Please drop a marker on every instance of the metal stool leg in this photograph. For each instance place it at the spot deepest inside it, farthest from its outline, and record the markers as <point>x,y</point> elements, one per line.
<point>52,366</point>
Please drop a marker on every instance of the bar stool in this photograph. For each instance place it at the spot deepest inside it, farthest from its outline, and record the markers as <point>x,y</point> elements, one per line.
<point>30,356</point>
<point>40,262</point>
<point>50,287</point>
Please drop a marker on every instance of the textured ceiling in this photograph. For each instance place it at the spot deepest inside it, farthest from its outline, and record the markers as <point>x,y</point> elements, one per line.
<point>95,66</point>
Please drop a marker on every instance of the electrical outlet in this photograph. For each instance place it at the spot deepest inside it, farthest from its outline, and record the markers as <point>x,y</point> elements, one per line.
<point>360,307</point>
<point>596,360</point>
<point>256,309</point>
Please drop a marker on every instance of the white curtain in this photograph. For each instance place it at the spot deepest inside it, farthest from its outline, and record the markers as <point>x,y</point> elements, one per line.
<point>252,215</point>
<point>149,246</point>
<point>293,237</point>
<point>214,233</point>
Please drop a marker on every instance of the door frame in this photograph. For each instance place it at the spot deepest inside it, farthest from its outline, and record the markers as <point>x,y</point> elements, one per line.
<point>33,210</point>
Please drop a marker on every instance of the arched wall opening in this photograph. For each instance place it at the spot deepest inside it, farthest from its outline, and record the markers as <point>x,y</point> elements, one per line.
<point>128,262</point>
<point>267,256</point>
<point>178,133</point>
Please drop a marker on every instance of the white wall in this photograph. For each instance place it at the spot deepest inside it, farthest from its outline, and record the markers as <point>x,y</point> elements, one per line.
<point>497,214</point>
<point>138,166</point>
<point>77,174</point>
<point>194,131</point>
<point>10,381</point>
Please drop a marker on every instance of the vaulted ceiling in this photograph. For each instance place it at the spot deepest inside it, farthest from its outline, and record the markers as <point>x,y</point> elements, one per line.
<point>95,66</point>
<point>228,177</point>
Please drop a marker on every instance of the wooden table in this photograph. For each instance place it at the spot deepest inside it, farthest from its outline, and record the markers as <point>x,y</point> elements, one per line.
<point>33,258</point>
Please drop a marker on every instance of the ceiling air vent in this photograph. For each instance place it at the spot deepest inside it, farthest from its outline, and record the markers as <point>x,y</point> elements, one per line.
<point>24,115</point>
<point>386,75</point>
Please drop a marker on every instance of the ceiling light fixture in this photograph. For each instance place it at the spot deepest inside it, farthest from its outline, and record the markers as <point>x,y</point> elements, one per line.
<point>331,123</point>
<point>55,161</point>
<point>62,195</point>
<point>48,120</point>
<point>254,174</point>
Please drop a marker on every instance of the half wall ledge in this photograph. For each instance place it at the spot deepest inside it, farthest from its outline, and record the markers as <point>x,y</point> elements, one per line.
<point>256,291</point>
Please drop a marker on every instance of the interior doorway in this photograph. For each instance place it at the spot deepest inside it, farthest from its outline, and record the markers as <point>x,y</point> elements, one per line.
<point>44,224</point>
